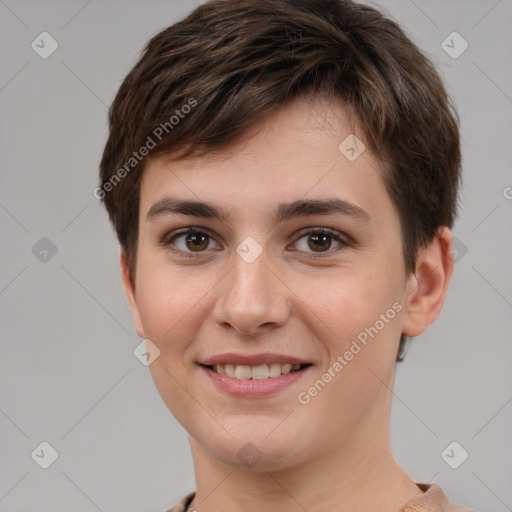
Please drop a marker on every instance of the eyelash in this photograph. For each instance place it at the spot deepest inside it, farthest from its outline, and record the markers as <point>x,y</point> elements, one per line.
<point>168,241</point>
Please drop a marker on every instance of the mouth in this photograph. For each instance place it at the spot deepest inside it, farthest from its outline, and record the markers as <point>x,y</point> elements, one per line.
<point>254,376</point>
<point>258,372</point>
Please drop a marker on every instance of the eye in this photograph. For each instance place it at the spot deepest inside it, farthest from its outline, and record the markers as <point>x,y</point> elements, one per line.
<point>192,241</point>
<point>319,240</point>
<point>187,241</point>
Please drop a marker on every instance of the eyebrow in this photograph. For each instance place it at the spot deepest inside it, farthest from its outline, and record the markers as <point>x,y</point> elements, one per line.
<point>283,212</point>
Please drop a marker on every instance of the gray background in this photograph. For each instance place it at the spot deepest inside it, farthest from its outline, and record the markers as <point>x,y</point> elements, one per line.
<point>67,369</point>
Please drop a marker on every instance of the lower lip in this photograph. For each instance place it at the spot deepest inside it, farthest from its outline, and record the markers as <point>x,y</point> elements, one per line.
<point>253,388</point>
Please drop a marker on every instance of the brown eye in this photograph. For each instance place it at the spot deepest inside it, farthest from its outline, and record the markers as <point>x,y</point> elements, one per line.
<point>187,242</point>
<point>197,241</point>
<point>320,241</point>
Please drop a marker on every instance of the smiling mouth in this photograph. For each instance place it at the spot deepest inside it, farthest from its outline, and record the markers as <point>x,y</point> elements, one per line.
<point>259,372</point>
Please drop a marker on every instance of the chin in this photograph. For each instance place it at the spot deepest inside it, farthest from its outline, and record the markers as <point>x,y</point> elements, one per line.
<point>259,452</point>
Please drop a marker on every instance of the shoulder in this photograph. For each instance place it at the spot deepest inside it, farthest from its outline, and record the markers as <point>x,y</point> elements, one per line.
<point>183,504</point>
<point>433,499</point>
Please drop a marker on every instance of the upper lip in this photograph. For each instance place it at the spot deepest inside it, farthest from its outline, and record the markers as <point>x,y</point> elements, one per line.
<point>252,360</point>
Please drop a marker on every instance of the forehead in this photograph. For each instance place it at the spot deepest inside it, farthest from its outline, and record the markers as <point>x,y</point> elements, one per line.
<point>307,149</point>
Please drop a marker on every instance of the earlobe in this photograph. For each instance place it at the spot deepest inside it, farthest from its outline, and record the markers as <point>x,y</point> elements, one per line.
<point>131,296</point>
<point>427,287</point>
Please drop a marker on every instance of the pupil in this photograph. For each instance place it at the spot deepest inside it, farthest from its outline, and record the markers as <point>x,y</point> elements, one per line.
<point>201,237</point>
<point>321,238</point>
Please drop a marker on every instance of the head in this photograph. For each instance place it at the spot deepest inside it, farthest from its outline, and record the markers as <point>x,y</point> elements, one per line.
<point>247,106</point>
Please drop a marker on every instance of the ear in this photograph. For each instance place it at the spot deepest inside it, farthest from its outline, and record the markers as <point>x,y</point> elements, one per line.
<point>427,287</point>
<point>129,290</point>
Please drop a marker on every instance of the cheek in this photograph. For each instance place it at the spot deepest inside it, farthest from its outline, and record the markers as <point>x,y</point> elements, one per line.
<point>168,300</point>
<point>169,305</point>
<point>358,313</point>
<point>349,299</point>
<point>361,347</point>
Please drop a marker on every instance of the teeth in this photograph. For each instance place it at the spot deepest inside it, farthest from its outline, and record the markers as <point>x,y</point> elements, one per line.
<point>274,370</point>
<point>242,372</point>
<point>229,369</point>
<point>260,372</point>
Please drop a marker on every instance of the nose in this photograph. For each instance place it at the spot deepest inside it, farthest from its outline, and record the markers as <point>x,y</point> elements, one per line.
<point>252,298</point>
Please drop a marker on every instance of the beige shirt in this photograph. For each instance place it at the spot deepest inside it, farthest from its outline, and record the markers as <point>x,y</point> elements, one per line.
<point>432,500</point>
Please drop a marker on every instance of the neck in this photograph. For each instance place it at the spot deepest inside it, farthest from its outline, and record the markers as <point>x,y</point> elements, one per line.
<point>359,474</point>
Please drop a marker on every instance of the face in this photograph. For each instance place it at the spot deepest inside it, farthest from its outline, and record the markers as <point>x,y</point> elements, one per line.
<point>299,262</point>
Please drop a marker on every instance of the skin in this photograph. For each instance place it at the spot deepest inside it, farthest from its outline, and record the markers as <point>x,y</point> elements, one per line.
<point>333,453</point>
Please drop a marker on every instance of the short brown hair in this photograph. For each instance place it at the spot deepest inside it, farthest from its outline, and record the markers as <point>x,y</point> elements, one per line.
<point>236,60</point>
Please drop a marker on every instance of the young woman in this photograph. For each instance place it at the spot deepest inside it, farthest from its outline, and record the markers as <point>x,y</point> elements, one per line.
<point>282,176</point>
